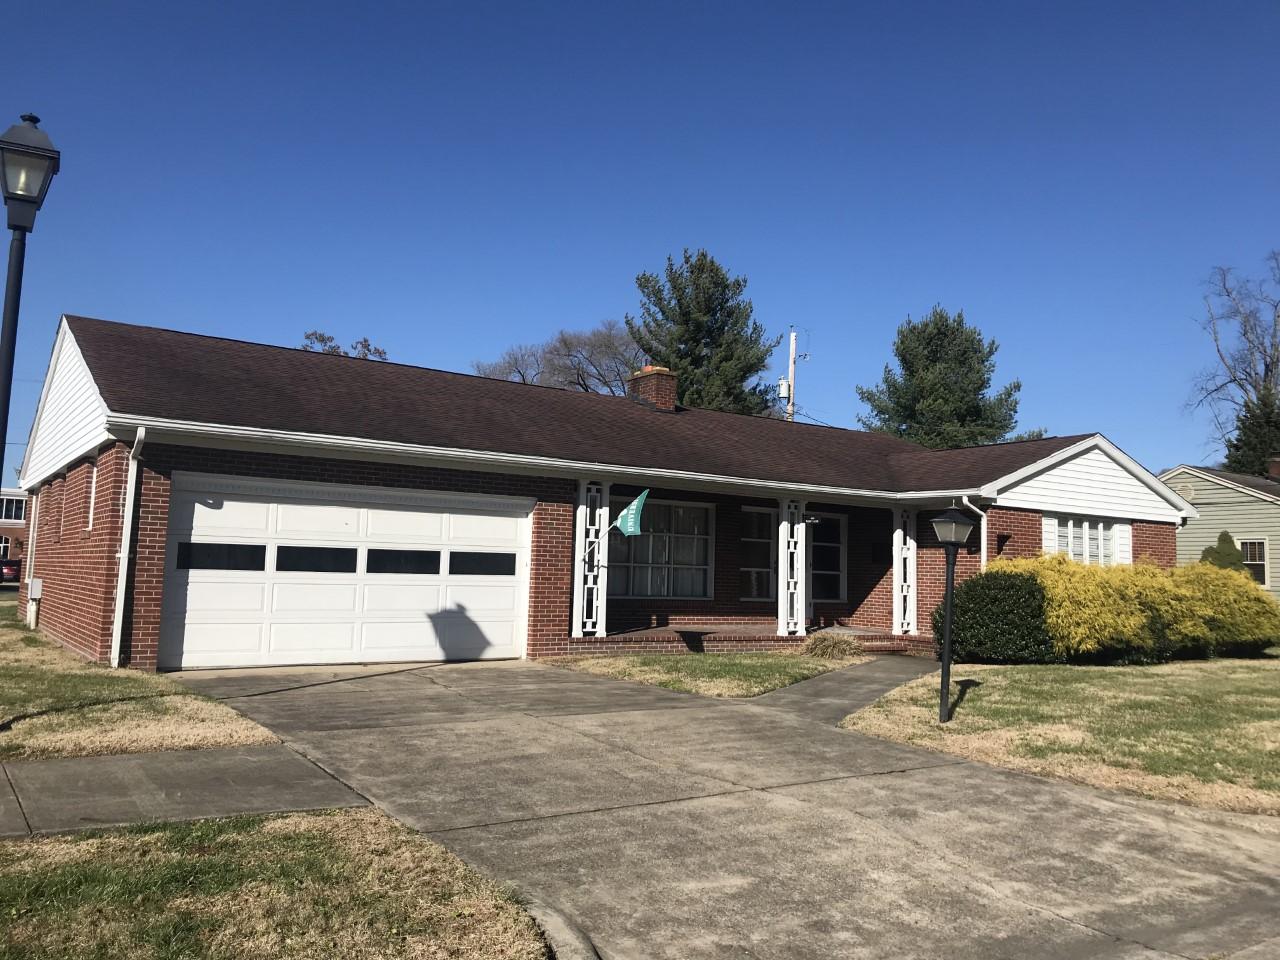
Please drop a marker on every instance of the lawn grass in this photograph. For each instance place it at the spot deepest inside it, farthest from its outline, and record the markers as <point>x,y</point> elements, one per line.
<point>353,885</point>
<point>54,704</point>
<point>1202,732</point>
<point>708,674</point>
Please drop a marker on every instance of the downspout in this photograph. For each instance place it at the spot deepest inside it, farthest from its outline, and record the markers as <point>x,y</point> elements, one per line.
<point>982,532</point>
<point>126,544</point>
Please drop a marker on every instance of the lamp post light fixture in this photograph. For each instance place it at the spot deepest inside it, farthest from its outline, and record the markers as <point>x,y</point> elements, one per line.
<point>952,528</point>
<point>28,163</point>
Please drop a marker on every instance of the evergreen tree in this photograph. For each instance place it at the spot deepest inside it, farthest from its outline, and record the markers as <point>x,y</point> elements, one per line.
<point>940,394</point>
<point>695,320</point>
<point>1257,436</point>
<point>1224,554</point>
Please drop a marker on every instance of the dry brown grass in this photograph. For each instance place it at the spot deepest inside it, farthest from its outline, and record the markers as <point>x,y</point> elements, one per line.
<point>1203,733</point>
<point>54,704</point>
<point>353,885</point>
<point>722,675</point>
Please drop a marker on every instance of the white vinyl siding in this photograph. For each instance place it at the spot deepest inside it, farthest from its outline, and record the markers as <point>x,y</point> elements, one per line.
<point>1090,540</point>
<point>72,418</point>
<point>670,557</point>
<point>759,577</point>
<point>1089,485</point>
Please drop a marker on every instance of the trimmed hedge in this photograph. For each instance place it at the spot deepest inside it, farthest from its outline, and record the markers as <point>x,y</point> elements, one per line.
<point>1124,614</point>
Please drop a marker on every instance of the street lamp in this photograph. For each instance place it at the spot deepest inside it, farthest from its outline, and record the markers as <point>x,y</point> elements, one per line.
<point>28,162</point>
<point>952,529</point>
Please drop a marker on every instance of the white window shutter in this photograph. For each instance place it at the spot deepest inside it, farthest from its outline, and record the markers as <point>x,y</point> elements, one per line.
<point>1049,534</point>
<point>1124,543</point>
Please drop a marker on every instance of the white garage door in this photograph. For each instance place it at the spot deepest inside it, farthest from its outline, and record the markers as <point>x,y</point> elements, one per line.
<point>274,573</point>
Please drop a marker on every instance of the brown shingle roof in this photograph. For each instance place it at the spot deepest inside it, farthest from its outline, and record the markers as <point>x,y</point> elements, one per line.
<point>1262,484</point>
<point>146,371</point>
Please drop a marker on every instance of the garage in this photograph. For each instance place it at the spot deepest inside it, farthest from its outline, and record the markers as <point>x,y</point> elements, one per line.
<point>273,573</point>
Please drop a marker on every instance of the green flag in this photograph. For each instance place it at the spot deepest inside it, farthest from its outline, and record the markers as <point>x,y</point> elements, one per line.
<point>628,522</point>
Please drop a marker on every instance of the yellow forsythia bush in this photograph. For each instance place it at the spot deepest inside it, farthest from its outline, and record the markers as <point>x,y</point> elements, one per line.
<point>1145,613</point>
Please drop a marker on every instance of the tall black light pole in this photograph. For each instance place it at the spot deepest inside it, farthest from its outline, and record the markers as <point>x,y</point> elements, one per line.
<point>28,162</point>
<point>952,529</point>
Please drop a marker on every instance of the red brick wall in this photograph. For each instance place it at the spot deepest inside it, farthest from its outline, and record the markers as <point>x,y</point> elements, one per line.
<point>77,564</point>
<point>656,387</point>
<point>1155,543</point>
<point>1014,533</point>
<point>931,568</point>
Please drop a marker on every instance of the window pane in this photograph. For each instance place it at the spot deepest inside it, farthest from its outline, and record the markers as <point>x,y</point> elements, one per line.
<point>757,554</point>
<point>826,530</point>
<point>1064,543</point>
<point>690,551</point>
<point>21,512</point>
<point>825,586</point>
<point>826,558</point>
<point>403,561</point>
<point>757,584</point>
<point>619,547</point>
<point>690,582</point>
<point>316,559</point>
<point>758,526</point>
<point>482,564</point>
<point>656,518</point>
<point>1258,571</point>
<point>619,581</point>
<point>222,556</point>
<point>691,520</point>
<point>659,549</point>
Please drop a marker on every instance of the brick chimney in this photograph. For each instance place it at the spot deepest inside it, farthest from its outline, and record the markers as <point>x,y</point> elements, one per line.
<point>655,386</point>
<point>1273,468</point>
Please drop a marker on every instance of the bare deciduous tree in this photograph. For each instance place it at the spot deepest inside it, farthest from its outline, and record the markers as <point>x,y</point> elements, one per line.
<point>1242,317</point>
<point>592,361</point>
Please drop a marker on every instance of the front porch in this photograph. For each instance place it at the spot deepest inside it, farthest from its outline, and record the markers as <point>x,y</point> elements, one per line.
<point>716,572</point>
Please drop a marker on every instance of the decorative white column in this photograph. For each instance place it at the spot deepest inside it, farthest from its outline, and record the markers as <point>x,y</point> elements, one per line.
<point>904,572</point>
<point>793,568</point>
<point>591,559</point>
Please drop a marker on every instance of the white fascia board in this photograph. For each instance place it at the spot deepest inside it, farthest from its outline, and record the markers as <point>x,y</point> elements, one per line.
<point>160,429</point>
<point>1220,481</point>
<point>1096,442</point>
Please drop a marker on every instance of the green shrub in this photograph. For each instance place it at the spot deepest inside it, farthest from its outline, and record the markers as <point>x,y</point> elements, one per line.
<point>833,645</point>
<point>1122,614</point>
<point>1224,554</point>
<point>998,617</point>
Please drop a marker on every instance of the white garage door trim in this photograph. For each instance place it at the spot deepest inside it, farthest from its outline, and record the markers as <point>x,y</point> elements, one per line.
<point>430,520</point>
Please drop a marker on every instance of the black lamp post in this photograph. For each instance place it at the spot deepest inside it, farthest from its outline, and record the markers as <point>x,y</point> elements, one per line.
<point>952,529</point>
<point>28,162</point>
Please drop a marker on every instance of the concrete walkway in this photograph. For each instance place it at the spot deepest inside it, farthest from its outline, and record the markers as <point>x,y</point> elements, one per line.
<point>670,826</point>
<point>81,793</point>
<point>831,697</point>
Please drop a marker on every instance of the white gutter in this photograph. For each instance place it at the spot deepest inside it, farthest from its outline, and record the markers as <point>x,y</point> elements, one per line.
<point>982,531</point>
<point>495,459</point>
<point>126,543</point>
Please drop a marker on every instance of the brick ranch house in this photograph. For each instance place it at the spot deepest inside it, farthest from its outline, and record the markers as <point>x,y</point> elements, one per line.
<point>200,502</point>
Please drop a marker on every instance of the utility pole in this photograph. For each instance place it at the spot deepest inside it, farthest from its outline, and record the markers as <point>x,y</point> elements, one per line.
<point>791,380</point>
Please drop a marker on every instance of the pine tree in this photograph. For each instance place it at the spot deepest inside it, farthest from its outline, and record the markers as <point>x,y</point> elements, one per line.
<point>695,320</point>
<point>940,394</point>
<point>1257,436</point>
<point>1224,554</point>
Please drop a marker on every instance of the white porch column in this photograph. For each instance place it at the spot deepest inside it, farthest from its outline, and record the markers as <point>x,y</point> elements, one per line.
<point>904,572</point>
<point>591,559</point>
<point>793,568</point>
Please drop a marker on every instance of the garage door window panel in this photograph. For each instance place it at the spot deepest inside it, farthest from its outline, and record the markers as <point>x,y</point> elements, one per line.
<point>465,563</point>
<point>293,559</point>
<point>417,562</point>
<point>222,556</point>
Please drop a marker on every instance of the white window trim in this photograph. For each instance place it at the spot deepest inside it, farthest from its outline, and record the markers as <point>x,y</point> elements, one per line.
<point>844,558</point>
<point>711,551</point>
<point>4,548</point>
<point>772,512</point>
<point>1081,524</point>
<point>1266,557</point>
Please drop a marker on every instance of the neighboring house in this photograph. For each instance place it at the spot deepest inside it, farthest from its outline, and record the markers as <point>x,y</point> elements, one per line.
<point>13,522</point>
<point>1246,506</point>
<point>276,506</point>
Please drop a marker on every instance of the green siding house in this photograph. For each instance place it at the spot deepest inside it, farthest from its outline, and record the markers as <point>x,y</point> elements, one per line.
<point>1247,507</point>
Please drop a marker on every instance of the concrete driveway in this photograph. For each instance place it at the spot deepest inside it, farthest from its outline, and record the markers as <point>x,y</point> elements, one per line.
<point>670,826</point>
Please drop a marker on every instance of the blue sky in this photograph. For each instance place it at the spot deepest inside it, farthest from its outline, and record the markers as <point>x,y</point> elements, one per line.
<point>452,178</point>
